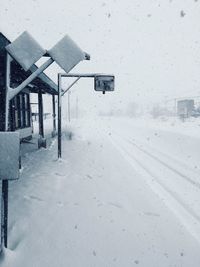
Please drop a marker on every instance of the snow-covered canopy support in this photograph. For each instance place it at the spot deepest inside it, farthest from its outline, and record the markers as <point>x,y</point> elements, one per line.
<point>26,51</point>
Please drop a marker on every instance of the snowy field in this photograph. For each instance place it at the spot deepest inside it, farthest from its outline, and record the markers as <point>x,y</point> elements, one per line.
<point>126,193</point>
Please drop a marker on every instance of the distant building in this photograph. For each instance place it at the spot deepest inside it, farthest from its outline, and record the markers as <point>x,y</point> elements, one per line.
<point>185,108</point>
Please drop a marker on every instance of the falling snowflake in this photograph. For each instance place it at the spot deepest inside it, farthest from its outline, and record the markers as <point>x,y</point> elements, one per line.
<point>182,13</point>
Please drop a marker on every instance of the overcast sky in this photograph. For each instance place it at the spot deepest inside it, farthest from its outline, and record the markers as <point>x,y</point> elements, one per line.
<point>152,46</point>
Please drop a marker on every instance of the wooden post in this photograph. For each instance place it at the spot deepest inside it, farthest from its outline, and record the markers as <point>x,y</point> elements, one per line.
<point>54,115</point>
<point>5,212</point>
<point>41,140</point>
<point>40,115</point>
<point>23,111</point>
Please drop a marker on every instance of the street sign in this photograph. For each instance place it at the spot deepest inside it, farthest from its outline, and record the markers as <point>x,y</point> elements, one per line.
<point>9,155</point>
<point>104,83</point>
<point>67,54</point>
<point>25,50</point>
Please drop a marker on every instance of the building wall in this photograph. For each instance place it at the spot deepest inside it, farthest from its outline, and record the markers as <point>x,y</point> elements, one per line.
<point>185,107</point>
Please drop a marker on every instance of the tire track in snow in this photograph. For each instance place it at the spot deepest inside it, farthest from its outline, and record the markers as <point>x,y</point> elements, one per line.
<point>187,216</point>
<point>166,165</point>
<point>162,162</point>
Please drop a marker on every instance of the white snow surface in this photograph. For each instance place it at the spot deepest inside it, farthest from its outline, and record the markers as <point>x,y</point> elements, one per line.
<point>125,193</point>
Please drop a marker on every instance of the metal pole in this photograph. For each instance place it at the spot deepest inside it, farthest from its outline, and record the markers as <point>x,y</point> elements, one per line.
<point>5,211</point>
<point>59,116</point>
<point>77,107</point>
<point>175,111</point>
<point>4,200</point>
<point>69,106</point>
<point>54,114</point>
<point>40,109</point>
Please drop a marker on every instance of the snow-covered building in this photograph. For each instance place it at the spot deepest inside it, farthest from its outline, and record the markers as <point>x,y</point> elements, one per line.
<point>185,107</point>
<point>20,106</point>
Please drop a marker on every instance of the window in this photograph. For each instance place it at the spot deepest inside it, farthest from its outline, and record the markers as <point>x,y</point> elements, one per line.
<point>22,111</point>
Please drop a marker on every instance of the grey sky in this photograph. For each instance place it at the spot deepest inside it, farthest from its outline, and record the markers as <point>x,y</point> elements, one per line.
<point>152,46</point>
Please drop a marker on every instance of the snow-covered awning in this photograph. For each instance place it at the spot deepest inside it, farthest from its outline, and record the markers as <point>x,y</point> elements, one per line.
<point>42,82</point>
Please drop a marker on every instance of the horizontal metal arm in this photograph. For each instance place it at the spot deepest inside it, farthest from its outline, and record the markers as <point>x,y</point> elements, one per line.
<point>83,75</point>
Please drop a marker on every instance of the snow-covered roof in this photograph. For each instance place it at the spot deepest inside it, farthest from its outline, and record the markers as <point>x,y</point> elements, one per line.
<point>18,74</point>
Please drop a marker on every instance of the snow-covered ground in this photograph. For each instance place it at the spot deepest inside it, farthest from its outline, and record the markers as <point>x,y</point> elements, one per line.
<point>125,193</point>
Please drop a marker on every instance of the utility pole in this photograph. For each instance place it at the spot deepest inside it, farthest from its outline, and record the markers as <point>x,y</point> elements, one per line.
<point>77,107</point>
<point>69,105</point>
<point>175,111</point>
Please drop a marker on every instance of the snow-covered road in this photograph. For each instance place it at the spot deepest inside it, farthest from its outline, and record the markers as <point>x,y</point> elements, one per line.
<point>124,194</point>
